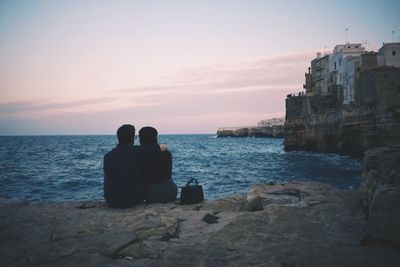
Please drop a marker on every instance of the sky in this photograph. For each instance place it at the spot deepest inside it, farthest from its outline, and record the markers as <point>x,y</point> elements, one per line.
<point>87,67</point>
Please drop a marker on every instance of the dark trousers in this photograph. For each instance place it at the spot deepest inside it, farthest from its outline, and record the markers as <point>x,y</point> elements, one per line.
<point>162,192</point>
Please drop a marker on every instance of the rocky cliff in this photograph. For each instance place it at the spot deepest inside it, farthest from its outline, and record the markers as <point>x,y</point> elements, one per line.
<point>380,190</point>
<point>255,131</point>
<point>322,123</point>
<point>294,224</point>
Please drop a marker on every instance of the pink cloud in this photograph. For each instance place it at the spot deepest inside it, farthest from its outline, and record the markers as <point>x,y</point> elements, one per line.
<point>198,99</point>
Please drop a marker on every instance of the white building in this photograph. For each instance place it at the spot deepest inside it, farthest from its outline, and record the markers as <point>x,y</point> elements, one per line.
<point>350,65</point>
<point>389,55</point>
<point>339,54</point>
<point>337,73</point>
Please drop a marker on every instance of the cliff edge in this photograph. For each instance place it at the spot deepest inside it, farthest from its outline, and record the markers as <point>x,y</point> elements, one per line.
<point>254,131</point>
<point>380,190</point>
<point>293,224</point>
<point>266,128</point>
<point>317,122</point>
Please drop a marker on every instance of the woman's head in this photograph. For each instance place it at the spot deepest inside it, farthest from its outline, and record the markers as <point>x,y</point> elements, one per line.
<point>148,136</point>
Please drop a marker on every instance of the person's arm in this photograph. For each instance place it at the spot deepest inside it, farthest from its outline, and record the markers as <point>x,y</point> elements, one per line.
<point>152,148</point>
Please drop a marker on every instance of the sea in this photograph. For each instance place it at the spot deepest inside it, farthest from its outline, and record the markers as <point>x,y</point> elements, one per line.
<point>70,168</point>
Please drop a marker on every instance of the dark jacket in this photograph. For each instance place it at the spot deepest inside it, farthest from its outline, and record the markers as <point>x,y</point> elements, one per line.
<point>156,167</point>
<point>157,172</point>
<point>123,167</point>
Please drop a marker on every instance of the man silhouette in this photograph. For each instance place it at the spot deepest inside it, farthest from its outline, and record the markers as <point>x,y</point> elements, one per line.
<point>123,168</point>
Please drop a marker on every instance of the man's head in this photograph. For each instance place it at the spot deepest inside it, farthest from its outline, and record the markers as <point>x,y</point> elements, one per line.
<point>126,134</point>
<point>148,136</point>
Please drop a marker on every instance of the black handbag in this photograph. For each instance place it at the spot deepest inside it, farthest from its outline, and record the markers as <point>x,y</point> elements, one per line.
<point>192,194</point>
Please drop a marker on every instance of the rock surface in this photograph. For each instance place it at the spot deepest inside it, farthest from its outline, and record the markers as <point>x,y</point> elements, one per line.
<point>380,189</point>
<point>294,224</point>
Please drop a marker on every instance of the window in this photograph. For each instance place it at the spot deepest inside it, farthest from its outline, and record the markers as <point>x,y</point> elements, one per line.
<point>340,62</point>
<point>393,53</point>
<point>335,65</point>
<point>356,46</point>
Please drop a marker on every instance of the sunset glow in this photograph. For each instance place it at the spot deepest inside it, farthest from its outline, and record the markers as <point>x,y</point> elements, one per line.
<point>86,67</point>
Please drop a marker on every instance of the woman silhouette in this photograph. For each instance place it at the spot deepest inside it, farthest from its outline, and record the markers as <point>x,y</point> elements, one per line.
<point>157,170</point>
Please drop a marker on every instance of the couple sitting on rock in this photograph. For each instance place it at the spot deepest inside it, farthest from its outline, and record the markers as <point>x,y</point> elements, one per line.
<point>133,174</point>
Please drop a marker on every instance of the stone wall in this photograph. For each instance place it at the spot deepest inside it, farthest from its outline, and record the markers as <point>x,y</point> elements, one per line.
<point>323,123</point>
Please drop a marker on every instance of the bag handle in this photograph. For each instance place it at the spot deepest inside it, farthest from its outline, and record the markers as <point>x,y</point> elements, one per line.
<point>191,180</point>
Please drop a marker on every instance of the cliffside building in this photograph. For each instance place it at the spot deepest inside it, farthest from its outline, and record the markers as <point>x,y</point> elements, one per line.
<point>389,55</point>
<point>335,74</point>
<point>351,71</point>
<point>352,102</point>
<point>340,53</point>
<point>368,60</point>
<point>320,75</point>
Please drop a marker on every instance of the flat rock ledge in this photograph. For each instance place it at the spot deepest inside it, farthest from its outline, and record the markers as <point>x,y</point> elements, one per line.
<point>292,224</point>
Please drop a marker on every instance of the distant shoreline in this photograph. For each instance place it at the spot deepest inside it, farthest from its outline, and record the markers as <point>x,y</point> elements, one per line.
<point>113,134</point>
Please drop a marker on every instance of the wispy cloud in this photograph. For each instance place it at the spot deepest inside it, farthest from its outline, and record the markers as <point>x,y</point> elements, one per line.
<point>199,99</point>
<point>266,74</point>
<point>45,105</point>
<point>45,108</point>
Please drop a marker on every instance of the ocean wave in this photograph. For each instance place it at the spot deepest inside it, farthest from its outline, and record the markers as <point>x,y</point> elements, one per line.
<point>62,168</point>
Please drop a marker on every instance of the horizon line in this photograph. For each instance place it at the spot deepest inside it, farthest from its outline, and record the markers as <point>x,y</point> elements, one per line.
<point>113,134</point>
